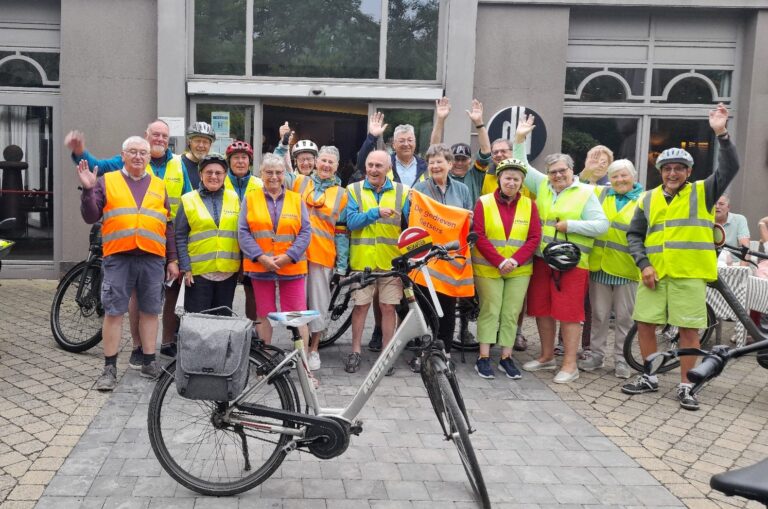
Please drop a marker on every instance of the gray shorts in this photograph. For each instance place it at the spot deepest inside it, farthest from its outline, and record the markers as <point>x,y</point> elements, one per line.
<point>123,274</point>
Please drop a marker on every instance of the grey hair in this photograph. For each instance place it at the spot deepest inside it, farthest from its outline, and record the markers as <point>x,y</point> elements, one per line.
<point>135,139</point>
<point>622,164</point>
<point>271,161</point>
<point>404,128</point>
<point>439,149</point>
<point>155,121</point>
<point>329,149</point>
<point>556,158</point>
<point>503,140</point>
<point>727,198</point>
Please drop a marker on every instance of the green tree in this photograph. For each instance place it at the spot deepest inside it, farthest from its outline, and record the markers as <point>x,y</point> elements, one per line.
<point>412,39</point>
<point>220,37</point>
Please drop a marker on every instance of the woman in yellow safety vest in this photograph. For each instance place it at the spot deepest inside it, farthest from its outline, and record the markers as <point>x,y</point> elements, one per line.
<point>508,229</point>
<point>613,274</point>
<point>206,238</point>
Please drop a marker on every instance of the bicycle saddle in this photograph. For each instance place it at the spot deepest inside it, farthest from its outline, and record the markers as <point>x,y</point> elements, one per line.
<point>293,318</point>
<point>748,482</point>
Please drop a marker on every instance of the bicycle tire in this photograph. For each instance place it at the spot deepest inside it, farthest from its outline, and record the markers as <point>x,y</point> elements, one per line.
<point>459,434</point>
<point>77,327</point>
<point>667,338</point>
<point>338,318</point>
<point>207,458</point>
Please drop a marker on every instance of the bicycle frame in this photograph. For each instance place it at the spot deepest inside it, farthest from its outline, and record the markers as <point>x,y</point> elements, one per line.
<point>413,325</point>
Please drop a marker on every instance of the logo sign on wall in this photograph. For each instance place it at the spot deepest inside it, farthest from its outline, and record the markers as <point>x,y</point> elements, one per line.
<point>504,123</point>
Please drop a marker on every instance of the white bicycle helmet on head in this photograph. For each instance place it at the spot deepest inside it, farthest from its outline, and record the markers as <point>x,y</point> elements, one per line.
<point>674,155</point>
<point>203,129</point>
<point>304,146</point>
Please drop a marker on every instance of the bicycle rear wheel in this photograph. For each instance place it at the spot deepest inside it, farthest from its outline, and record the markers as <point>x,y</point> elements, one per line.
<point>76,325</point>
<point>338,317</point>
<point>667,338</point>
<point>458,432</point>
<point>207,454</point>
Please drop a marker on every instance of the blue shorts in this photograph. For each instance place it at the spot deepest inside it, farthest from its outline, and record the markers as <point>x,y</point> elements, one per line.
<point>125,273</point>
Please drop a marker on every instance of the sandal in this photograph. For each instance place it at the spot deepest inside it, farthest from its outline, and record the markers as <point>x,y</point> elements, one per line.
<point>353,362</point>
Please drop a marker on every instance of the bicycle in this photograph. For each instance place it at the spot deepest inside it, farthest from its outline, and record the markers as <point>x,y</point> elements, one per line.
<point>76,311</point>
<point>207,446</point>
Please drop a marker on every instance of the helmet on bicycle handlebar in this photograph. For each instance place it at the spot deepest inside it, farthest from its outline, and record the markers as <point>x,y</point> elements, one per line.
<point>674,155</point>
<point>414,242</point>
<point>561,255</point>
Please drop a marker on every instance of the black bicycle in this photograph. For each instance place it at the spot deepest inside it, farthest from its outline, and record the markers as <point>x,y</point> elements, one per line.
<point>76,312</point>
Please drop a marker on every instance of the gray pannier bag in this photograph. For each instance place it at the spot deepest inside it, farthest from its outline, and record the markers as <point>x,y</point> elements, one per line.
<point>212,358</point>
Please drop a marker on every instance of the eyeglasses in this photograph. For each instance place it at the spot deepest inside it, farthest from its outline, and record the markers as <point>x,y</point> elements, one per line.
<point>134,152</point>
<point>558,172</point>
<point>269,173</point>
<point>217,174</point>
<point>674,169</point>
<point>501,151</point>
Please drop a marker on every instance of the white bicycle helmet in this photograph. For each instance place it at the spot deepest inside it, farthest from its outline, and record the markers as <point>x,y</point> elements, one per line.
<point>674,155</point>
<point>203,129</point>
<point>304,146</point>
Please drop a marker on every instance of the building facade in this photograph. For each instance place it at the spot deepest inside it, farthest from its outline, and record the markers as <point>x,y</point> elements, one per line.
<point>637,76</point>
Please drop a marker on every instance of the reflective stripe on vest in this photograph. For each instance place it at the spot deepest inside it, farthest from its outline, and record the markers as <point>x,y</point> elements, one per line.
<point>212,248</point>
<point>126,226</point>
<point>174,182</point>
<point>569,205</point>
<point>275,242</point>
<point>494,231</point>
<point>445,224</point>
<point>610,252</point>
<point>376,245</point>
<point>253,183</point>
<point>680,240</point>
<point>322,247</point>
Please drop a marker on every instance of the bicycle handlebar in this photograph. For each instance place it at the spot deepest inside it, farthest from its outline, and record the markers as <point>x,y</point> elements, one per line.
<point>710,367</point>
<point>741,252</point>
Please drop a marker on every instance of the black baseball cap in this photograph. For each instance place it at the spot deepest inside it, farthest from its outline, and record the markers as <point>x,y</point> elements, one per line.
<point>461,150</point>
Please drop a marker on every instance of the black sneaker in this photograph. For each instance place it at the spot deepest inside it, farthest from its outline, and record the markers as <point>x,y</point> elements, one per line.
<point>483,368</point>
<point>169,350</point>
<point>642,384</point>
<point>353,363</point>
<point>375,344</point>
<point>137,358</point>
<point>108,379</point>
<point>151,370</point>
<point>687,400</point>
<point>521,344</point>
<point>507,365</point>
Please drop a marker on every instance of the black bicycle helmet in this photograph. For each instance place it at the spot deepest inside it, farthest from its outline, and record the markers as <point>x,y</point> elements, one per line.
<point>561,255</point>
<point>212,157</point>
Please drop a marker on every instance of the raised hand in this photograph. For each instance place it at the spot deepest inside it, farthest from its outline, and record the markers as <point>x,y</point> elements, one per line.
<point>718,119</point>
<point>87,177</point>
<point>442,108</point>
<point>524,128</point>
<point>75,141</point>
<point>376,125</point>
<point>476,112</point>
<point>284,129</point>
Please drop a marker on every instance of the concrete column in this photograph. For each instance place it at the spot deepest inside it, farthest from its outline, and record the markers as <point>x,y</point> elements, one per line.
<point>459,65</point>
<point>172,45</point>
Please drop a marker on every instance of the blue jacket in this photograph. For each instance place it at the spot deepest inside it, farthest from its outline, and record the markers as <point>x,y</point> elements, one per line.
<point>116,163</point>
<point>369,145</point>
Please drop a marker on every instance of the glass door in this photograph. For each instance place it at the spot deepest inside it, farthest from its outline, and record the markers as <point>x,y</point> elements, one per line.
<point>27,179</point>
<point>617,133</point>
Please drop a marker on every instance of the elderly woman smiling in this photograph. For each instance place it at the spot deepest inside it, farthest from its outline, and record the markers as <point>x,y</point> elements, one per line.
<point>613,274</point>
<point>274,233</point>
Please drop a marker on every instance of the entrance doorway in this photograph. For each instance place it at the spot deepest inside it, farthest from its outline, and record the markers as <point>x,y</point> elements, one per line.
<point>341,124</point>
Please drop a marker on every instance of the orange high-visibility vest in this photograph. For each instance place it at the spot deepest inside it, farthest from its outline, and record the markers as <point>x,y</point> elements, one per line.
<point>323,217</point>
<point>126,226</point>
<point>445,224</point>
<point>274,242</point>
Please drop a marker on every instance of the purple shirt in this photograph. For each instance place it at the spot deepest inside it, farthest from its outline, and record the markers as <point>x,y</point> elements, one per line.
<point>251,248</point>
<point>92,202</point>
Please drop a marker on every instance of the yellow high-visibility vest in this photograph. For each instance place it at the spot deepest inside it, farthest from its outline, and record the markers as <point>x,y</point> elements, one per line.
<point>212,248</point>
<point>569,205</point>
<point>506,246</point>
<point>610,252</point>
<point>174,182</point>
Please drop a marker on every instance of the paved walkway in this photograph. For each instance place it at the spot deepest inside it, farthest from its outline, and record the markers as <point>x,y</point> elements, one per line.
<point>540,445</point>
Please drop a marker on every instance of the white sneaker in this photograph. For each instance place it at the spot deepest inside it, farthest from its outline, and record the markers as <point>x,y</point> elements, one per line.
<point>314,361</point>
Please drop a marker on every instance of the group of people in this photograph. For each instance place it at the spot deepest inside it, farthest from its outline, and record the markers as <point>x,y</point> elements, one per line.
<point>550,243</point>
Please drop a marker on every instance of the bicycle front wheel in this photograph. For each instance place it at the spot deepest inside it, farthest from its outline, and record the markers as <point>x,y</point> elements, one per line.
<point>338,317</point>
<point>459,434</point>
<point>204,451</point>
<point>76,312</point>
<point>667,338</point>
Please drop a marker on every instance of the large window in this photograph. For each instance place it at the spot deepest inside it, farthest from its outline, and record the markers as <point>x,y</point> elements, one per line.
<point>317,39</point>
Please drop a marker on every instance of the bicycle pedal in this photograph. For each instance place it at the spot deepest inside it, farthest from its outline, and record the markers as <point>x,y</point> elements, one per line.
<point>290,446</point>
<point>356,428</point>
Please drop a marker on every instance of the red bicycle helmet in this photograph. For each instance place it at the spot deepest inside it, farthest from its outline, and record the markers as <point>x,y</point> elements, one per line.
<point>239,147</point>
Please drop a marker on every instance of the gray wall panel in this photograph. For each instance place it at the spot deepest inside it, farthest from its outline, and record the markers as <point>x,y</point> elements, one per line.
<point>108,89</point>
<point>521,54</point>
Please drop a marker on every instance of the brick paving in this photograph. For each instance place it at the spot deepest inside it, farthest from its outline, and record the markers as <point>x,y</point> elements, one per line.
<point>540,444</point>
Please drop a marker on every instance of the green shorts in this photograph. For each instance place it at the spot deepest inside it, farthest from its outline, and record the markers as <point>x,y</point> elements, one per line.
<point>680,302</point>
